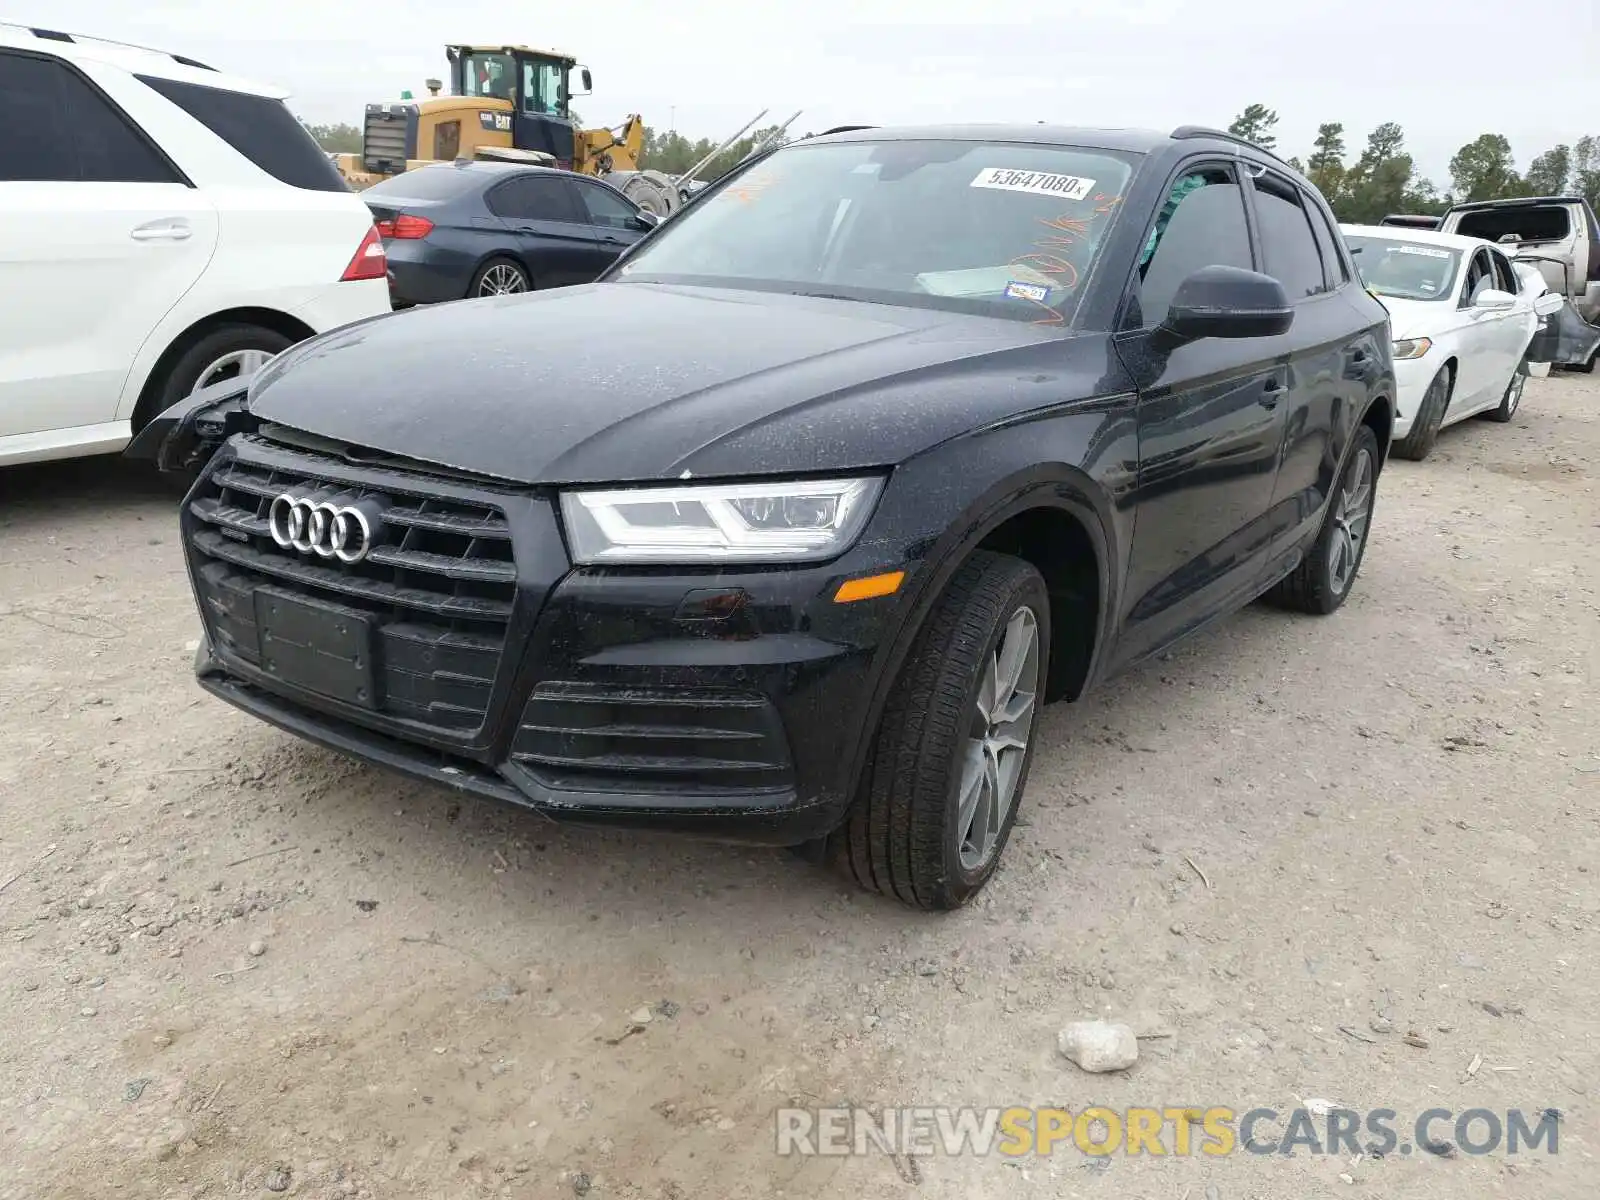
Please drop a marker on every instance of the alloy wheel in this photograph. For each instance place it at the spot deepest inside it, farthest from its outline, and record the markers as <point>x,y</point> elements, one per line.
<point>997,746</point>
<point>502,279</point>
<point>236,364</point>
<point>1352,513</point>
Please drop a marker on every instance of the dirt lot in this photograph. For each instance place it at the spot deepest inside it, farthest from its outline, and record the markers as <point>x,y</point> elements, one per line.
<point>232,962</point>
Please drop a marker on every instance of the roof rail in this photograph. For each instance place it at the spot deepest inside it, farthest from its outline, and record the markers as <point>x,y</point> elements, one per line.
<point>58,35</point>
<point>1184,132</point>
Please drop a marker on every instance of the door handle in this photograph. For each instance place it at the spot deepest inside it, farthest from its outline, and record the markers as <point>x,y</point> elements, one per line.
<point>613,239</point>
<point>162,231</point>
<point>1272,392</point>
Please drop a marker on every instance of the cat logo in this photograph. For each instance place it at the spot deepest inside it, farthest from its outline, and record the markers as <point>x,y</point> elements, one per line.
<point>498,122</point>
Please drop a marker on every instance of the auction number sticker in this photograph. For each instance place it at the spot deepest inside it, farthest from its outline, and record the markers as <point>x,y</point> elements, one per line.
<point>1425,251</point>
<point>1040,183</point>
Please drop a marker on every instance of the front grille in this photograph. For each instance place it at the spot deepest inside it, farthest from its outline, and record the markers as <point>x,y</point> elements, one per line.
<point>437,587</point>
<point>619,738</point>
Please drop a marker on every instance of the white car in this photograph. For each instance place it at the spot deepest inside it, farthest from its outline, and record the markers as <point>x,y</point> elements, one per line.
<point>162,227</point>
<point>1462,316</point>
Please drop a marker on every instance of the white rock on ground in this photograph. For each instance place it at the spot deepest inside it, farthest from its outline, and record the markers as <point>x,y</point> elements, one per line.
<point>1099,1046</point>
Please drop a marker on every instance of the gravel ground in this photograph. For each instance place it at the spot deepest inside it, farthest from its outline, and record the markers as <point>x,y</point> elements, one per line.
<point>235,964</point>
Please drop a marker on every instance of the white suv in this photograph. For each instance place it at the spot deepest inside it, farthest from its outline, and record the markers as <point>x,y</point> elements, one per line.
<point>162,227</point>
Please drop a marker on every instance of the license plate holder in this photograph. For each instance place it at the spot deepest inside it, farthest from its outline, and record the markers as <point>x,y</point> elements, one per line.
<point>317,646</point>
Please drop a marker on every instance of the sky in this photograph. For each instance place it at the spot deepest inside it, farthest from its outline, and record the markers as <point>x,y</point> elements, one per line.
<point>1435,66</point>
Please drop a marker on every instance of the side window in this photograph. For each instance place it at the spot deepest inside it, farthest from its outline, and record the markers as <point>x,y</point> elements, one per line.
<point>1480,277</point>
<point>258,127</point>
<point>606,208</point>
<point>35,141</point>
<point>1287,243</point>
<point>59,127</point>
<point>1504,277</point>
<point>1333,269</point>
<point>536,198</point>
<point>1201,224</point>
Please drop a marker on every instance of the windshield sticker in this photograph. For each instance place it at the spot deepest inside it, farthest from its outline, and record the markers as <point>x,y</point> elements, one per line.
<point>1037,292</point>
<point>1427,285</point>
<point>1040,183</point>
<point>1425,251</point>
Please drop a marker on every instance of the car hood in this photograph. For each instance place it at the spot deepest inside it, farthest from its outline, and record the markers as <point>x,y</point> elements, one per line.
<point>1418,318</point>
<point>624,381</point>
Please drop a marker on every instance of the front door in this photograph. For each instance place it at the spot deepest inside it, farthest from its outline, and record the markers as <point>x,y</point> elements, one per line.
<point>1210,419</point>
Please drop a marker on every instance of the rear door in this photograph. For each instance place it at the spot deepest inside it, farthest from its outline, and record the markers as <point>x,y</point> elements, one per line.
<point>1324,356</point>
<point>615,221</point>
<point>1210,420</point>
<point>554,237</point>
<point>100,236</point>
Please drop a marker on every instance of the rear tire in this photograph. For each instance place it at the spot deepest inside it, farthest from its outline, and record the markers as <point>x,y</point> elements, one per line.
<point>940,795</point>
<point>228,352</point>
<point>1327,574</point>
<point>499,277</point>
<point>1417,444</point>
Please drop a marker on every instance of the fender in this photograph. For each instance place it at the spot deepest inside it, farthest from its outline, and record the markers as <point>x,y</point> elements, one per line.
<point>1048,485</point>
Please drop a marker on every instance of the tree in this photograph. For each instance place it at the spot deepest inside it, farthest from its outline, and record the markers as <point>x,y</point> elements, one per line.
<point>674,154</point>
<point>1380,182</point>
<point>1325,167</point>
<point>336,139</point>
<point>1482,169</point>
<point>1586,169</point>
<point>1547,174</point>
<point>1255,125</point>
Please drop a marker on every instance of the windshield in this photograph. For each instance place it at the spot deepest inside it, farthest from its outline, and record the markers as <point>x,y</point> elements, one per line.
<point>1405,270</point>
<point>489,75</point>
<point>1001,229</point>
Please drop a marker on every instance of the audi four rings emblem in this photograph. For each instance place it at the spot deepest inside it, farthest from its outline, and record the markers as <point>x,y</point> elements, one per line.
<point>341,526</point>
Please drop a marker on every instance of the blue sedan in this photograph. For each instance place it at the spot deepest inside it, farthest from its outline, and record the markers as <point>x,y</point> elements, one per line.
<point>453,231</point>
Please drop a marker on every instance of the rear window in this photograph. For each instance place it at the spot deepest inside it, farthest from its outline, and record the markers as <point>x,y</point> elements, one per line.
<point>1546,224</point>
<point>258,127</point>
<point>428,183</point>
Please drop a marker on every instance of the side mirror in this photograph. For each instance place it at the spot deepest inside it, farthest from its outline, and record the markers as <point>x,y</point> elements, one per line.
<point>1228,302</point>
<point>647,219</point>
<point>1548,303</point>
<point>1493,300</point>
<point>588,79</point>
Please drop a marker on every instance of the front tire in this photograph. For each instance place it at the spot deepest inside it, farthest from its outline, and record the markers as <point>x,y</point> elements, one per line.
<point>1326,575</point>
<point>1417,444</point>
<point>1511,400</point>
<point>950,760</point>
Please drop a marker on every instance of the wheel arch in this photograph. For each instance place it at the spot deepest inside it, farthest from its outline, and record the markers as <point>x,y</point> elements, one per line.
<point>1017,512</point>
<point>265,318</point>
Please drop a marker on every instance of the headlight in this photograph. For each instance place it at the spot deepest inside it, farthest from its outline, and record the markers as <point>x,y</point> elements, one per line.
<point>1411,347</point>
<point>796,521</point>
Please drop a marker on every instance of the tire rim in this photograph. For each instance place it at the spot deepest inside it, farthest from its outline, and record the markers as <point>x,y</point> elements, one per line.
<point>502,279</point>
<point>1514,394</point>
<point>1352,512</point>
<point>997,747</point>
<point>236,364</point>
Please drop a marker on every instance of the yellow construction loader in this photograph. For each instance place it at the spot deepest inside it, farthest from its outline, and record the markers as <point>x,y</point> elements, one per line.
<point>511,103</point>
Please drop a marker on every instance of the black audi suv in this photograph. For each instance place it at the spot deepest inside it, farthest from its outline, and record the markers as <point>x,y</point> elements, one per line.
<point>784,529</point>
